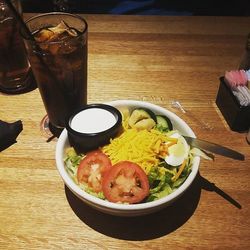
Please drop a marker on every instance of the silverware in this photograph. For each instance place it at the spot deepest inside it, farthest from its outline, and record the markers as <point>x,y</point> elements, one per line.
<point>214,148</point>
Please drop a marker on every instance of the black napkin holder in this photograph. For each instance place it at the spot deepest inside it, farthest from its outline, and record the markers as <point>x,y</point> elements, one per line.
<point>236,116</point>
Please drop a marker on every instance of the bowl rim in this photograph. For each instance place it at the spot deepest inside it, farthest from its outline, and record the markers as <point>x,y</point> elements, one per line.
<point>63,140</point>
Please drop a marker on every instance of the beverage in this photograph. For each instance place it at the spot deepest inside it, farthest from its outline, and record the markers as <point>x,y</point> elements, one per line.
<point>59,64</point>
<point>66,89</point>
<point>14,65</point>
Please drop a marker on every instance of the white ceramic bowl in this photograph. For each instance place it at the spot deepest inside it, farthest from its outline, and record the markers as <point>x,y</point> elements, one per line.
<point>132,209</point>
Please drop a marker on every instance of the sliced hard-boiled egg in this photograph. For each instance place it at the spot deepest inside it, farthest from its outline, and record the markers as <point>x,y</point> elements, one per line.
<point>178,152</point>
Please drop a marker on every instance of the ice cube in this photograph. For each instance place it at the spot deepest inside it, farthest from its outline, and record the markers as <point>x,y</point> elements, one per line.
<point>63,27</point>
<point>44,35</point>
<point>58,33</point>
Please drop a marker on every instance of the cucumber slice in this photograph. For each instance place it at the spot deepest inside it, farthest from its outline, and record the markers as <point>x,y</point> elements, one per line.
<point>163,123</point>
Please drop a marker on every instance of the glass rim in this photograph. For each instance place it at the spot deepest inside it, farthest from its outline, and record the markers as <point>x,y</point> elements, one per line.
<point>51,14</point>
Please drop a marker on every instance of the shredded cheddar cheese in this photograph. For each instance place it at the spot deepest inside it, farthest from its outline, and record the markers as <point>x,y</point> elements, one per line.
<point>177,175</point>
<point>142,147</point>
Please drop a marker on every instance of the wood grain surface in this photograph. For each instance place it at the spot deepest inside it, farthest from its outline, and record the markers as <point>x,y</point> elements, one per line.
<point>154,59</point>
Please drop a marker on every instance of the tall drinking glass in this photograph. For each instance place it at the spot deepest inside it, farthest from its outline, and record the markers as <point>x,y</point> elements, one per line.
<point>58,58</point>
<point>15,74</point>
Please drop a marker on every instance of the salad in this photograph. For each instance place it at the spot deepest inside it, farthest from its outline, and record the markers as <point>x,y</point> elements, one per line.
<point>145,162</point>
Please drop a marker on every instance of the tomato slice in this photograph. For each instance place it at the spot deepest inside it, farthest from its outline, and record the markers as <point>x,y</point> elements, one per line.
<point>92,169</point>
<point>125,182</point>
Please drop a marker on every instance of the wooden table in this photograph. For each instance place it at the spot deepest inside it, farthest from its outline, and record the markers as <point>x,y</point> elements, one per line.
<point>154,59</point>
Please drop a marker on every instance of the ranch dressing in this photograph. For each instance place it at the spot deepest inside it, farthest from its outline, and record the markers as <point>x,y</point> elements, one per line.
<point>93,120</point>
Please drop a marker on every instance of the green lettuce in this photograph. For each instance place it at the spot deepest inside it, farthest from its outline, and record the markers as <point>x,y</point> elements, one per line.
<point>161,179</point>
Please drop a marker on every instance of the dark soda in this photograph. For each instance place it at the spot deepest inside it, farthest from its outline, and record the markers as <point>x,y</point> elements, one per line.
<point>14,65</point>
<point>60,69</point>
